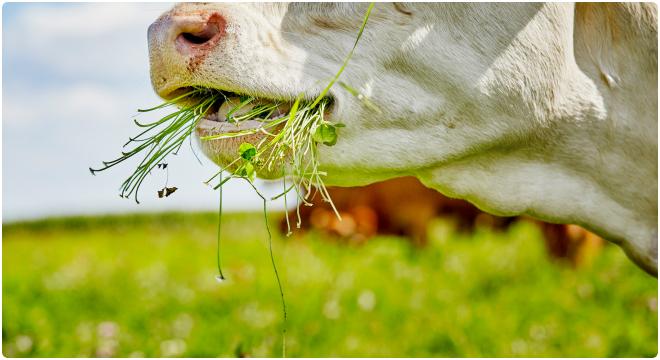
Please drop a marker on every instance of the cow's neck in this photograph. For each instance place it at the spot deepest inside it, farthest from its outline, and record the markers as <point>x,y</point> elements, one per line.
<point>598,173</point>
<point>596,163</point>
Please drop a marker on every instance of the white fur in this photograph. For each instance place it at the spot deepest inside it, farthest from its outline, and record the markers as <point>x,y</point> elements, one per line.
<point>541,109</point>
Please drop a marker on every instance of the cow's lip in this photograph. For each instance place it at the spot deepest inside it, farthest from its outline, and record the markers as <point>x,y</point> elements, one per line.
<point>218,120</point>
<point>215,120</point>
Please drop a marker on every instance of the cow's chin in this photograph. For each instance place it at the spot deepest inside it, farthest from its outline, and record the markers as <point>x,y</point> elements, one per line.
<point>225,151</point>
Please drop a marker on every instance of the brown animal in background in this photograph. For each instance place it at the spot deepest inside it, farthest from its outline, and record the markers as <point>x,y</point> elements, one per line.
<point>571,243</point>
<point>405,207</point>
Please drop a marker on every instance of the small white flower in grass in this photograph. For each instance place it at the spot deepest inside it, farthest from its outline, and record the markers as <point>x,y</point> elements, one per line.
<point>107,329</point>
<point>538,332</point>
<point>331,309</point>
<point>652,303</point>
<point>367,300</point>
<point>594,341</point>
<point>174,347</point>
<point>256,316</point>
<point>107,348</point>
<point>23,343</point>
<point>182,325</point>
<point>519,346</point>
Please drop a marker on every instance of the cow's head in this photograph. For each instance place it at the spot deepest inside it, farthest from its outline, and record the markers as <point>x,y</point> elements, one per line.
<point>432,70</point>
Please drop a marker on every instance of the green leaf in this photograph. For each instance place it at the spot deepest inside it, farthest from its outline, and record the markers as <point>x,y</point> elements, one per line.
<point>247,170</point>
<point>247,151</point>
<point>348,57</point>
<point>326,133</point>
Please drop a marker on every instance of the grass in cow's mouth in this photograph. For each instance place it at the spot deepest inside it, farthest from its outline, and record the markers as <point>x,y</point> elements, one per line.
<point>288,147</point>
<point>161,138</point>
<point>291,151</point>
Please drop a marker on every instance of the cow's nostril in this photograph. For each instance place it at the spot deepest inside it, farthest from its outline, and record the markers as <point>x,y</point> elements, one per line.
<point>195,34</point>
<point>200,33</point>
<point>196,39</point>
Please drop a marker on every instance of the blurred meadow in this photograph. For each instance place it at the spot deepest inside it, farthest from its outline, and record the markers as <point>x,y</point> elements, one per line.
<point>144,285</point>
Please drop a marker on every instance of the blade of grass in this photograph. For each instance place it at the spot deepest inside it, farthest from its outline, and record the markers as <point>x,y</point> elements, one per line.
<point>348,57</point>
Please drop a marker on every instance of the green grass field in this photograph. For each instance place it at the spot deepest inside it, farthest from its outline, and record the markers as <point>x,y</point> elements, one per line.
<point>144,286</point>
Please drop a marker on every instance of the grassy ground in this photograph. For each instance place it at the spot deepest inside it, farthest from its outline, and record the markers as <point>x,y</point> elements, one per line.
<point>144,286</point>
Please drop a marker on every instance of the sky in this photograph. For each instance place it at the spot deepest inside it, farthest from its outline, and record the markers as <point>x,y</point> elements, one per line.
<point>73,76</point>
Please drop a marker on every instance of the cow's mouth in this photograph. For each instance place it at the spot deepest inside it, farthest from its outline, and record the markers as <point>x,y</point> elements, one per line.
<point>233,119</point>
<point>231,112</point>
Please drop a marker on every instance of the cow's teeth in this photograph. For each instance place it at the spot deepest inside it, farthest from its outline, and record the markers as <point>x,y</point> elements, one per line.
<point>229,127</point>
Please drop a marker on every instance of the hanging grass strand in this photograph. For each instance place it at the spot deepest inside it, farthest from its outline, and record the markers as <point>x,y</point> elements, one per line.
<point>348,57</point>
<point>286,207</point>
<point>220,277</point>
<point>272,260</point>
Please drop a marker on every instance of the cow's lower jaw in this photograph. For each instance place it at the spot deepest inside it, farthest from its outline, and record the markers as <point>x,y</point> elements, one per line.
<point>225,151</point>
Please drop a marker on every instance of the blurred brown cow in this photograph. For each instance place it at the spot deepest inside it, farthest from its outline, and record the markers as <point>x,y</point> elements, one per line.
<point>405,207</point>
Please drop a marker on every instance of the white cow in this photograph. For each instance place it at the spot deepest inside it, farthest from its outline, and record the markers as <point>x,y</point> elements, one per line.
<point>548,110</point>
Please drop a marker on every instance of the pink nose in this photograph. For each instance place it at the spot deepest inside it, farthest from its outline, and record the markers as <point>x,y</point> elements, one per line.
<point>190,33</point>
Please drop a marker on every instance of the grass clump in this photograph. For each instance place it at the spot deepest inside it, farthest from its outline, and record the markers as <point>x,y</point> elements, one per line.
<point>161,138</point>
<point>291,151</point>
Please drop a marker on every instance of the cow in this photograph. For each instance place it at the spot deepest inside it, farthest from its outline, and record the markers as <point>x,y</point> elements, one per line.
<point>547,110</point>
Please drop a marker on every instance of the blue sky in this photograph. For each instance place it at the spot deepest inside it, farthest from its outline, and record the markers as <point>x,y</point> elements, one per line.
<point>73,76</point>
